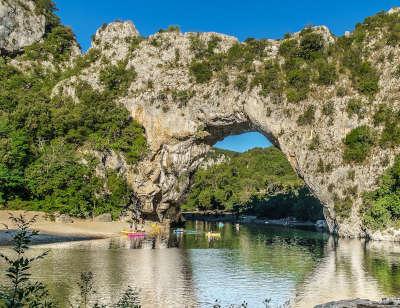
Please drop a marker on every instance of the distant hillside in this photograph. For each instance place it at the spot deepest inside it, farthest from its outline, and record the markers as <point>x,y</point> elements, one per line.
<point>259,181</point>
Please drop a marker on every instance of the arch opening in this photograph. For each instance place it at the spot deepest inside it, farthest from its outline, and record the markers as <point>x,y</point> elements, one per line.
<point>246,174</point>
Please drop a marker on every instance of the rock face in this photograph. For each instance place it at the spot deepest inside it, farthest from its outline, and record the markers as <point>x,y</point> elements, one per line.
<point>20,26</point>
<point>183,117</point>
<point>361,303</point>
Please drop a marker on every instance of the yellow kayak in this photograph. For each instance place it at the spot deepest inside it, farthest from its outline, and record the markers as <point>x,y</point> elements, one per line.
<point>213,234</point>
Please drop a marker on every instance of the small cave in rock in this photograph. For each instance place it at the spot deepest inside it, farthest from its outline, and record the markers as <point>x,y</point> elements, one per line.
<point>246,174</point>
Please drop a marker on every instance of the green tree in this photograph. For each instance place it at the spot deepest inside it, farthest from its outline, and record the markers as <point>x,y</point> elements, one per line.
<point>20,290</point>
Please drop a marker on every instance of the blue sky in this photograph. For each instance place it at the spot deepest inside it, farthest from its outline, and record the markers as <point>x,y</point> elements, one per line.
<point>240,18</point>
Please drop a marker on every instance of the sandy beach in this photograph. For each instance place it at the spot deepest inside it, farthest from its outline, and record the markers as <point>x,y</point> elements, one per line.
<point>51,231</point>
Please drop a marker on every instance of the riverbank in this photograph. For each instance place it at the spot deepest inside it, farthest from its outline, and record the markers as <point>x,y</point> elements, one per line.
<point>361,303</point>
<point>71,229</point>
<point>246,219</point>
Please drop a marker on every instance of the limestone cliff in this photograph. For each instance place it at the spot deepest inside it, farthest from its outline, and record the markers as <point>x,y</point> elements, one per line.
<point>193,89</point>
<point>20,25</point>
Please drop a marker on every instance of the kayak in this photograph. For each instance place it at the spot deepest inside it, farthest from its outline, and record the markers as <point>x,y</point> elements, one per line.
<point>192,232</point>
<point>179,231</point>
<point>213,234</point>
<point>132,233</point>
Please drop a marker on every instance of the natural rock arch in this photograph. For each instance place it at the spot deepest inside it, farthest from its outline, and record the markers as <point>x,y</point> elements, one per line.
<point>193,89</point>
<point>184,118</point>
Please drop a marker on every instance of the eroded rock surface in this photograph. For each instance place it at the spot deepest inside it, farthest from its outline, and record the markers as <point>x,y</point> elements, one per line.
<point>184,116</point>
<point>361,303</point>
<point>180,131</point>
<point>20,25</point>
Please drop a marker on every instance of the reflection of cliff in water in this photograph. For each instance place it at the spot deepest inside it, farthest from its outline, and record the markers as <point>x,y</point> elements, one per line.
<point>249,263</point>
<point>163,276</point>
<point>346,272</point>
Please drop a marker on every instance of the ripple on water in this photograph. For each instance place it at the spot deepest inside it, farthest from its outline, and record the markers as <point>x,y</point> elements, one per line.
<point>251,265</point>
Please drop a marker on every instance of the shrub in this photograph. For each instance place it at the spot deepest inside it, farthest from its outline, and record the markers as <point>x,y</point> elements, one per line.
<point>241,83</point>
<point>47,8</point>
<point>311,45</point>
<point>390,136</point>
<point>366,79</point>
<point>57,43</point>
<point>307,117</point>
<point>269,79</point>
<point>328,109</point>
<point>298,80</point>
<point>288,48</point>
<point>201,71</point>
<point>117,79</point>
<point>182,96</point>
<point>358,144</point>
<point>382,206</point>
<point>382,114</point>
<point>355,107</point>
<point>327,74</point>
<point>341,91</point>
<point>343,207</point>
<point>134,42</point>
<point>295,96</point>
<point>172,28</point>
<point>20,290</point>
<point>314,144</point>
<point>377,216</point>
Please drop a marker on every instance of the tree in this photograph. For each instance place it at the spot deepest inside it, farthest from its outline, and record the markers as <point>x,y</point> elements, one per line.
<point>21,291</point>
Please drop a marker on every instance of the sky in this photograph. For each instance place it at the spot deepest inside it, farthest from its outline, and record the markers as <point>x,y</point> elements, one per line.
<point>240,18</point>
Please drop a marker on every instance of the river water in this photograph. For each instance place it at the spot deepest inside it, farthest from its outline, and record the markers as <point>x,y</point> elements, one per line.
<point>290,267</point>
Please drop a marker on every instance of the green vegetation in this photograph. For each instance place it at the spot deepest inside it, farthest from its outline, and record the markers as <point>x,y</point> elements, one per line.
<point>44,138</point>
<point>327,74</point>
<point>38,133</point>
<point>182,96</point>
<point>47,8</point>
<point>21,291</point>
<point>382,206</point>
<point>117,78</point>
<point>57,44</point>
<point>308,117</point>
<point>171,28</point>
<point>259,181</point>
<point>358,144</point>
<point>308,59</point>
<point>201,71</point>
<point>389,118</point>
<point>269,79</point>
<point>315,143</point>
<point>343,207</point>
<point>355,107</point>
<point>328,109</point>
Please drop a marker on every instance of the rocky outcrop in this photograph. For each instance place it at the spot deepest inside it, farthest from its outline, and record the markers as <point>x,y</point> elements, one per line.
<point>213,158</point>
<point>185,107</point>
<point>361,303</point>
<point>20,26</point>
<point>183,119</point>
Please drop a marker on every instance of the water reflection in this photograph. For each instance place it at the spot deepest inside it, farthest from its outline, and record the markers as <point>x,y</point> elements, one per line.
<point>163,276</point>
<point>250,263</point>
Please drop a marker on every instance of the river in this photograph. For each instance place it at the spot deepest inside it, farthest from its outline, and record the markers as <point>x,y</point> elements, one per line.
<point>291,267</point>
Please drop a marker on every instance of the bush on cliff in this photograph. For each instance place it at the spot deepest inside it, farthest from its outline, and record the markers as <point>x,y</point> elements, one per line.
<point>382,206</point>
<point>201,71</point>
<point>358,144</point>
<point>41,137</point>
